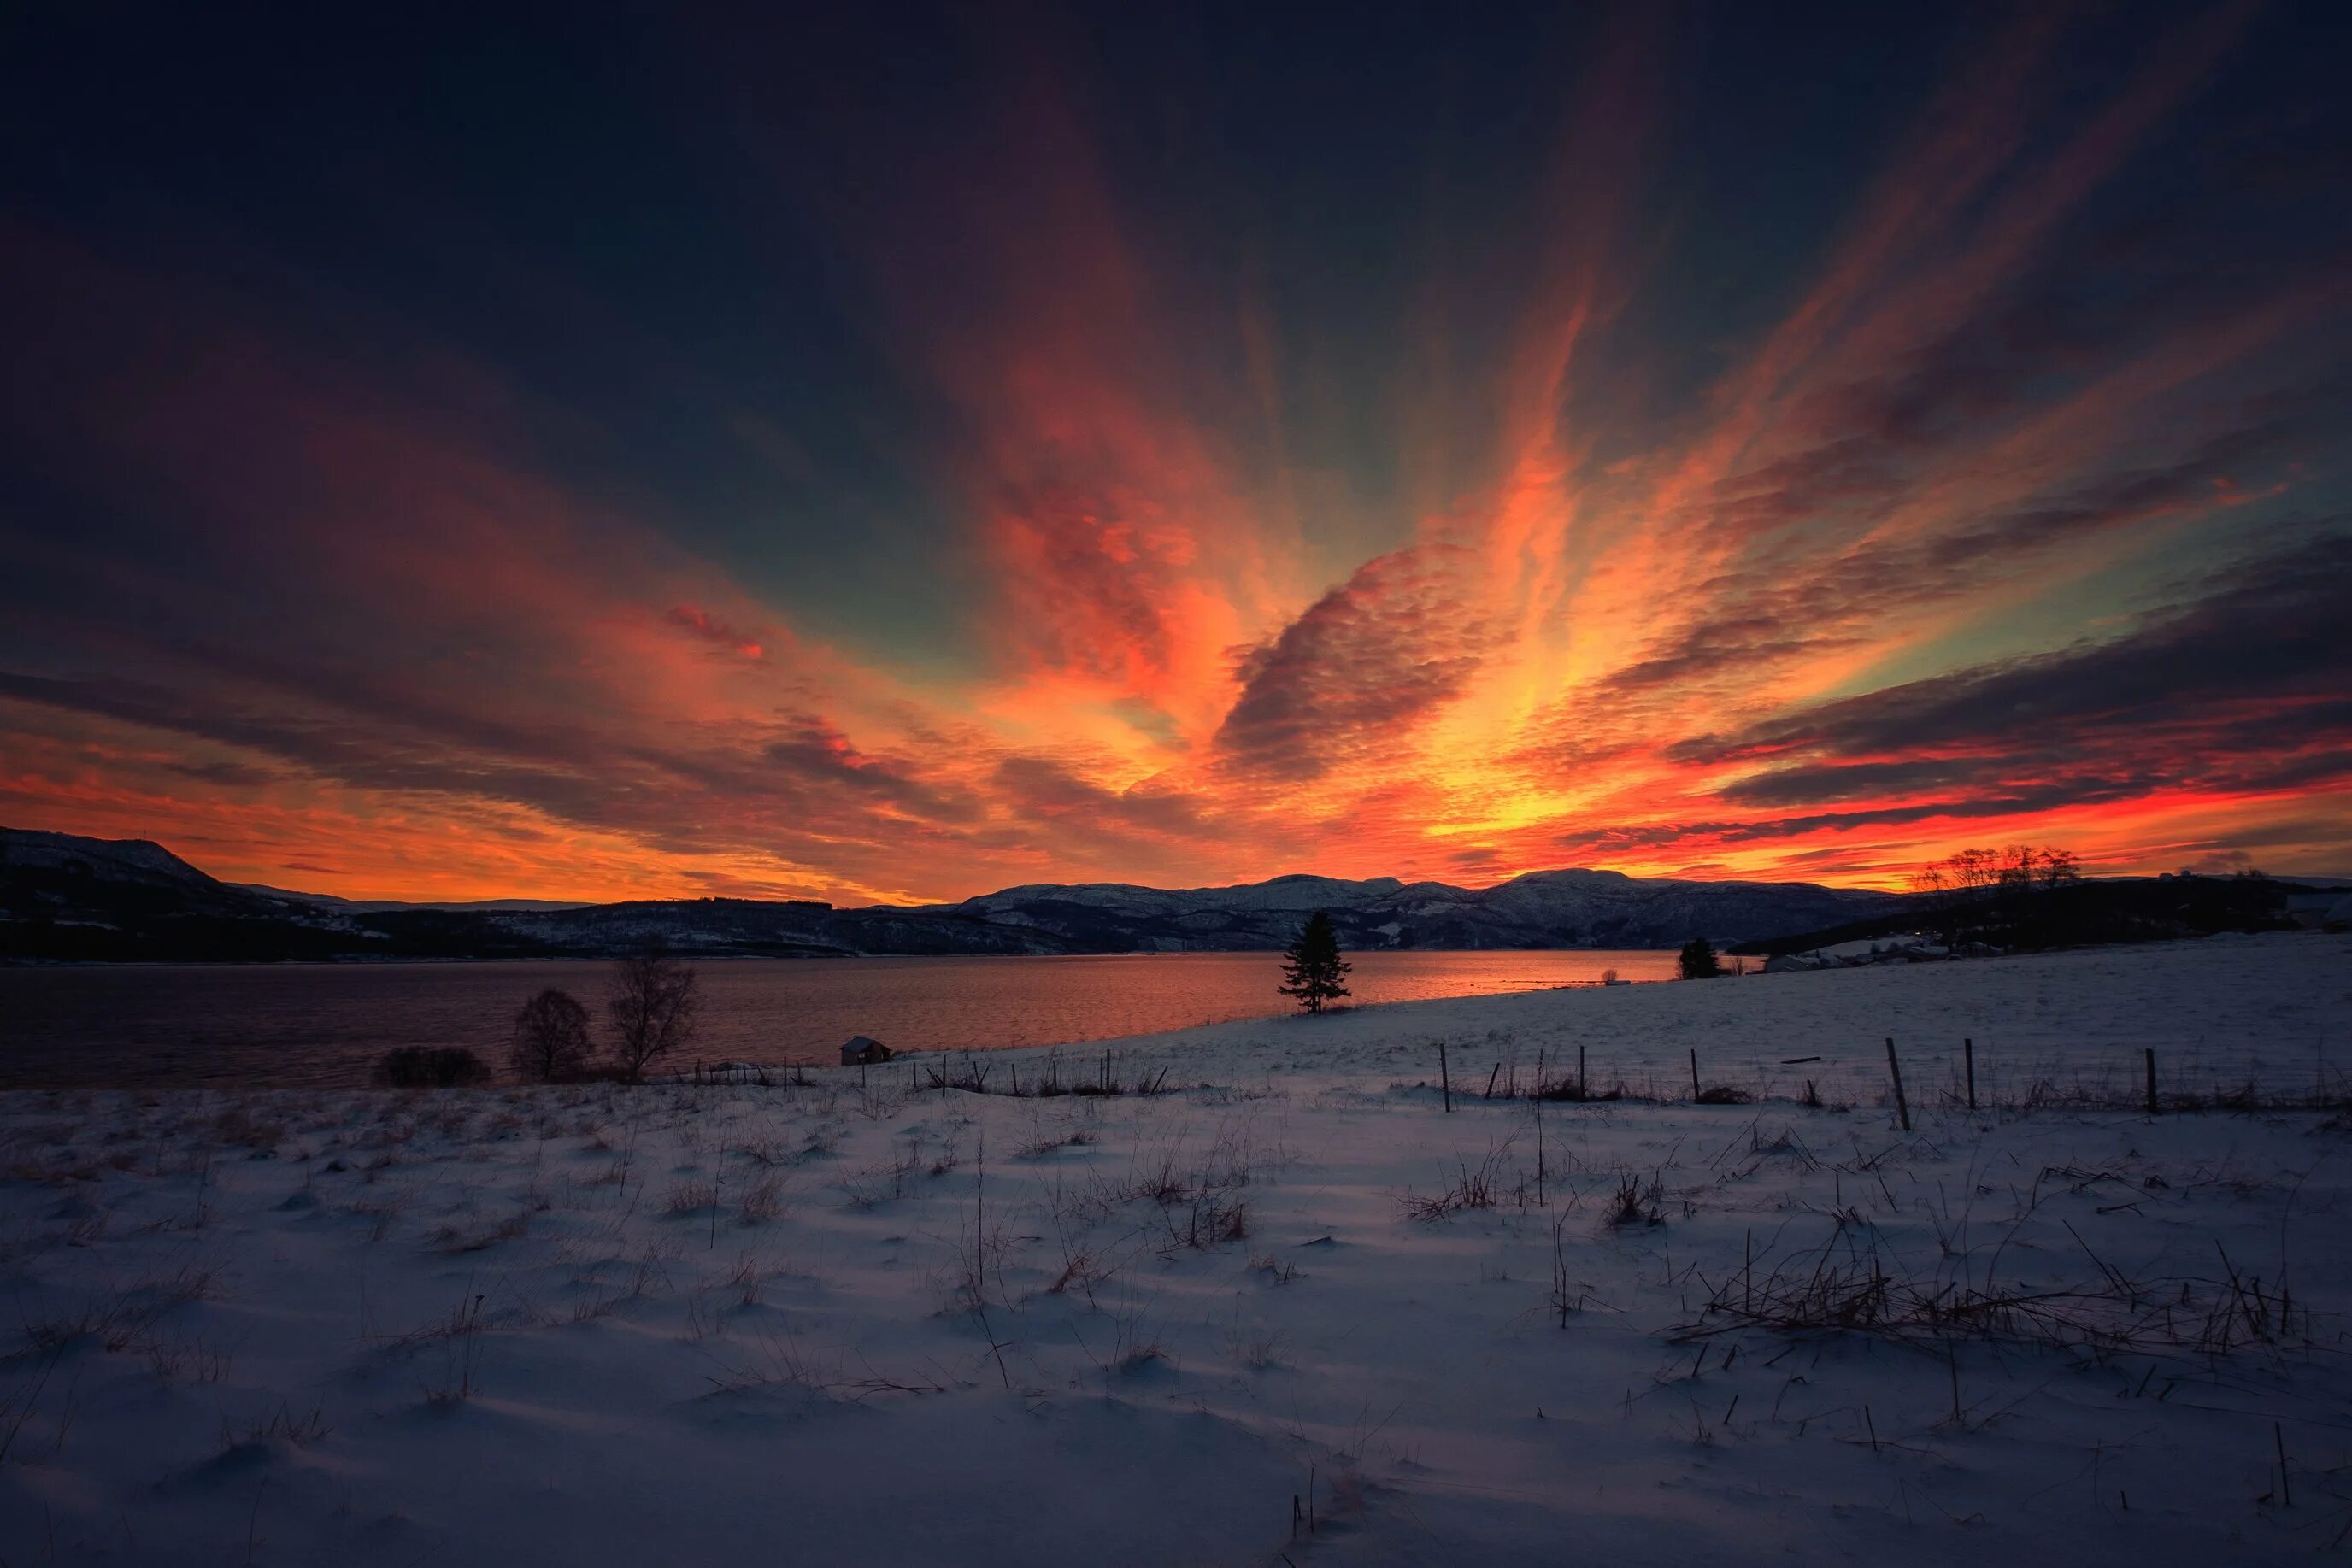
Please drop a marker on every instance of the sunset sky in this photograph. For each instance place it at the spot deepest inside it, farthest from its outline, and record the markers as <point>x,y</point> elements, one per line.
<point>673,451</point>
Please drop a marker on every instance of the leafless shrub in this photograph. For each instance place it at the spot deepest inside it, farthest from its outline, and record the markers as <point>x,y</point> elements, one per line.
<point>648,1274</point>
<point>1210,1220</point>
<point>1082,1270</point>
<point>613,1175</point>
<point>118,1319</point>
<point>763,1200</point>
<point>771,1359</point>
<point>2115,1312</point>
<point>1565,1297</point>
<point>1276,1271</point>
<point>1258,1348</point>
<point>21,1403</point>
<point>382,1213</point>
<point>1046,1144</point>
<point>451,1238</point>
<point>748,1279</point>
<point>767,1153</point>
<point>430,1067</point>
<point>281,1427</point>
<point>237,1127</point>
<point>693,1196</point>
<point>1474,1187</point>
<point>1166,1186</point>
<point>1635,1204</point>
<point>1785,1144</point>
<point>1580,1090</point>
<point>175,1361</point>
<point>458,1339</point>
<point>874,1184</point>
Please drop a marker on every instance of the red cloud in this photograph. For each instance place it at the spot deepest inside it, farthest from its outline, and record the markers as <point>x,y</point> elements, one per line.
<point>715,632</point>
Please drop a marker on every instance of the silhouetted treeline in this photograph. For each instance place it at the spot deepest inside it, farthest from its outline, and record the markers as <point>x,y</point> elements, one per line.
<point>2028,917</point>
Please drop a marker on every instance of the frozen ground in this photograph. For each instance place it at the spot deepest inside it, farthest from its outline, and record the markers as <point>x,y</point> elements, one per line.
<point>848,1323</point>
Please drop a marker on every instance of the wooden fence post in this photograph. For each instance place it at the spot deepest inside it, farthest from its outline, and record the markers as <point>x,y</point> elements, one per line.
<point>1969,1055</point>
<point>1445,1077</point>
<point>1694,1091</point>
<point>2151,1080</point>
<point>1902,1106</point>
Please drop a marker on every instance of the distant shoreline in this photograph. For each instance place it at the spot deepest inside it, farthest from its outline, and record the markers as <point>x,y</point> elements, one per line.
<point>361,961</point>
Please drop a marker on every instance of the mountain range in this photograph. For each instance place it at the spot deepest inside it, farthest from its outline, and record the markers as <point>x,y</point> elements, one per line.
<point>64,897</point>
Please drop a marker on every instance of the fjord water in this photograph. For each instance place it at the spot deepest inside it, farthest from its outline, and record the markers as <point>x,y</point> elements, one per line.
<point>320,1025</point>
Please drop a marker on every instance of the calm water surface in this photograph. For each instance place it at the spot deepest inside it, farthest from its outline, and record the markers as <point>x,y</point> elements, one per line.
<point>324,1024</point>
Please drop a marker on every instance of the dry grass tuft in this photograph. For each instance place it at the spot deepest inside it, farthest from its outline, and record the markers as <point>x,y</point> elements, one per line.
<point>1474,1187</point>
<point>281,1427</point>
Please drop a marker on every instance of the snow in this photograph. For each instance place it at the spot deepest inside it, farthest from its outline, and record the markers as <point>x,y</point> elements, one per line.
<point>1904,949</point>
<point>847,1324</point>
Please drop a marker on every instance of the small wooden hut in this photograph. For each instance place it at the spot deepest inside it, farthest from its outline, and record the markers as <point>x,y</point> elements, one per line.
<point>857,1050</point>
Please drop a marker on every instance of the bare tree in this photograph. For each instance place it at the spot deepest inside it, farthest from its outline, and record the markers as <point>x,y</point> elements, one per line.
<point>551,1038</point>
<point>652,1008</point>
<point>1974,870</point>
<point>2058,867</point>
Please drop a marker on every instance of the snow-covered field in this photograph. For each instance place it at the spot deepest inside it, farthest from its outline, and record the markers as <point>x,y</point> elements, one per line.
<point>847,1324</point>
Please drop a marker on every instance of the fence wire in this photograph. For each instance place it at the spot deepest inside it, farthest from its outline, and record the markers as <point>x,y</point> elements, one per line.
<point>1935,1075</point>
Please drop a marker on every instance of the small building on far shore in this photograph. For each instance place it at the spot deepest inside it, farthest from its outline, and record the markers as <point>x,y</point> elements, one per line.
<point>858,1051</point>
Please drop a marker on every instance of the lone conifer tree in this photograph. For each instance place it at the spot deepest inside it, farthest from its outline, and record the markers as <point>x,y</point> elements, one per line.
<point>1312,967</point>
<point>1698,960</point>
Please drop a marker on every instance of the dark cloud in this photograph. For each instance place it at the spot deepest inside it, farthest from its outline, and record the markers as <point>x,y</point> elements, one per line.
<point>235,774</point>
<point>1043,790</point>
<point>1636,840</point>
<point>800,788</point>
<point>716,632</point>
<point>1361,665</point>
<point>2247,688</point>
<point>816,752</point>
<point>2211,472</point>
<point>1772,615</point>
<point>1725,643</point>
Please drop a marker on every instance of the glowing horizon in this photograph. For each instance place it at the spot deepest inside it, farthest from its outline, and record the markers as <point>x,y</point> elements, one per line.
<point>1067,483</point>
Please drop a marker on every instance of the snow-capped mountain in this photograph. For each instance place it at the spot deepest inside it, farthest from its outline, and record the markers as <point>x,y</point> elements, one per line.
<point>67,897</point>
<point>1542,909</point>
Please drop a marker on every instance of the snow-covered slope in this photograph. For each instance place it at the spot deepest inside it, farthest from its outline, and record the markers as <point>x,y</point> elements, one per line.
<point>845,1323</point>
<point>108,859</point>
<point>379,906</point>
